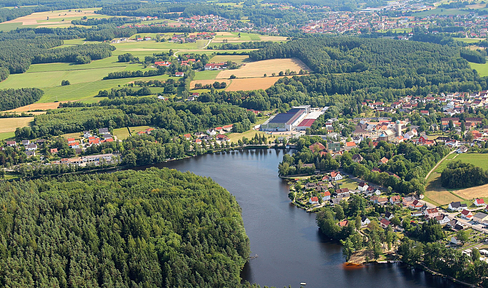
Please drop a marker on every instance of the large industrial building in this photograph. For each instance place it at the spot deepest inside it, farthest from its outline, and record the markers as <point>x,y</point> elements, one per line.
<point>298,118</point>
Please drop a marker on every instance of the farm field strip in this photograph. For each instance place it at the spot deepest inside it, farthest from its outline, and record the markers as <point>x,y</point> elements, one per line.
<point>10,124</point>
<point>259,68</point>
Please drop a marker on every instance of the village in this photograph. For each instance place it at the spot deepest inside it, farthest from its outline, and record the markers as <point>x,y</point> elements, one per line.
<point>465,225</point>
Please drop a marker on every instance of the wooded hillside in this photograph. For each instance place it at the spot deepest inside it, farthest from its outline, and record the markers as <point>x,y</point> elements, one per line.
<point>153,228</point>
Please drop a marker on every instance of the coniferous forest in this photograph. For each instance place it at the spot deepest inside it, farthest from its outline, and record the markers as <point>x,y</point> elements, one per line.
<point>153,228</point>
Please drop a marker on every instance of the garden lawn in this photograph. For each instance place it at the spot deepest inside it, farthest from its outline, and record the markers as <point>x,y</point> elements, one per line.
<point>123,133</point>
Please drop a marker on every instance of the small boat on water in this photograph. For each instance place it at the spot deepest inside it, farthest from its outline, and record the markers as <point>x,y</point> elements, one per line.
<point>303,284</point>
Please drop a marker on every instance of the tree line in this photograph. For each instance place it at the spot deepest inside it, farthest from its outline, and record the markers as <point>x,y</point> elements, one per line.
<point>14,98</point>
<point>176,117</point>
<point>458,174</point>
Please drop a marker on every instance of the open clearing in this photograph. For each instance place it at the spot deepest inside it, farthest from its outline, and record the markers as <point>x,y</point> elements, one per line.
<point>259,68</point>
<point>436,193</point>
<point>482,69</point>
<point>10,124</point>
<point>251,84</point>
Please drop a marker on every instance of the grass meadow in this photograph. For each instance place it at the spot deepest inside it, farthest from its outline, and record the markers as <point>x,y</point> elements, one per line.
<point>481,68</point>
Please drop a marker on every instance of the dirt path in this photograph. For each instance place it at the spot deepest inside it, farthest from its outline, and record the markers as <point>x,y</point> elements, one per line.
<point>437,165</point>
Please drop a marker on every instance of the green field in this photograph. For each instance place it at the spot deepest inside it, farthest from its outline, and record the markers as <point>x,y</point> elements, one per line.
<point>123,133</point>
<point>86,79</point>
<point>206,75</point>
<point>7,135</point>
<point>482,69</point>
<point>477,159</point>
<point>440,11</point>
<point>467,40</point>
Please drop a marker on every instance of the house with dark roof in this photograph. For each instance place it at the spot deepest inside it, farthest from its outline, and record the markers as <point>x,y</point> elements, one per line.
<point>457,206</point>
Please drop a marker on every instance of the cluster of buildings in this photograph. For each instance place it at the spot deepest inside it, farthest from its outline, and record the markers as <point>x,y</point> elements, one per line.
<point>88,140</point>
<point>217,134</point>
<point>30,147</point>
<point>94,160</point>
<point>296,119</point>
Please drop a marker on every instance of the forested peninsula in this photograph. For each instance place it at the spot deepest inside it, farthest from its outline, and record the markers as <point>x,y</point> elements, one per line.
<point>153,228</point>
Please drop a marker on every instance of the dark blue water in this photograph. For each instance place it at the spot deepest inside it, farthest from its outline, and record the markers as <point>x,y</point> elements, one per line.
<point>286,239</point>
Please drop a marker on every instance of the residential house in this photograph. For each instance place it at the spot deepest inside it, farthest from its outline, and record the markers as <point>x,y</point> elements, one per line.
<point>457,206</point>
<point>431,213</point>
<point>455,241</point>
<point>480,217</point>
<point>442,219</point>
<point>223,138</point>
<point>53,150</point>
<point>478,202</point>
<point>342,191</point>
<point>395,199</point>
<point>416,205</point>
<point>343,223</point>
<point>365,221</point>
<point>417,213</point>
<point>30,153</point>
<point>389,215</point>
<point>335,176</point>
<point>466,214</point>
<point>383,160</point>
<point>385,223</point>
<point>462,149</point>
<point>25,142</point>
<point>211,132</point>
<point>325,196</point>
<point>11,143</point>
<point>31,147</point>
<point>363,187</point>
<point>87,134</point>
<point>349,146</point>
<point>357,158</point>
<point>179,74</point>
<point>379,200</point>
<point>103,131</point>
<point>314,200</point>
<point>187,136</point>
<point>406,201</point>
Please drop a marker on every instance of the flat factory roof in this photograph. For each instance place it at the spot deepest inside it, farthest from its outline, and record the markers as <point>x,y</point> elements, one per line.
<point>285,117</point>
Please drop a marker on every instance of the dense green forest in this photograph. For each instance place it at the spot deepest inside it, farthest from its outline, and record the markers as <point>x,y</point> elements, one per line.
<point>178,118</point>
<point>14,98</point>
<point>153,228</point>
<point>348,64</point>
<point>458,174</point>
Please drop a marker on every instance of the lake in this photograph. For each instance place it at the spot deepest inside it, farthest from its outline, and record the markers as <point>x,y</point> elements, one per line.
<point>286,239</point>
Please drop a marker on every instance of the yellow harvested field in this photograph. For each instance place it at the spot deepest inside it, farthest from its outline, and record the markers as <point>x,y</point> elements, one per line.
<point>252,84</point>
<point>10,124</point>
<point>37,106</point>
<point>473,192</point>
<point>259,68</point>
<point>272,38</point>
<point>34,17</point>
<point>205,82</point>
